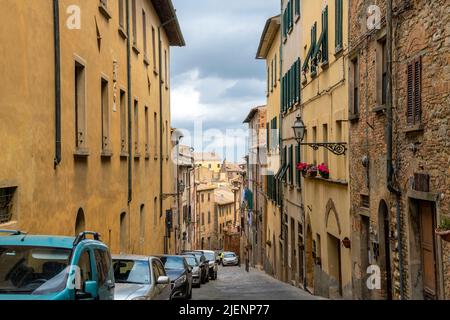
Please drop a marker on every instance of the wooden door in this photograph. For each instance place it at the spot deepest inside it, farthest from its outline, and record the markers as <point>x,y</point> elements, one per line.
<point>427,226</point>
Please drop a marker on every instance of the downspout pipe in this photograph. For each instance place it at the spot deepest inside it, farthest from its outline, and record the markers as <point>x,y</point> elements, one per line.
<point>390,169</point>
<point>57,52</point>
<point>130,123</point>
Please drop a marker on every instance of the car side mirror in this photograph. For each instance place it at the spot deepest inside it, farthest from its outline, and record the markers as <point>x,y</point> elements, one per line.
<point>90,291</point>
<point>163,280</point>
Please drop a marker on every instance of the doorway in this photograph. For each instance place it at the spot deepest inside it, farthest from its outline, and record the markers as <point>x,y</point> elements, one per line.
<point>334,265</point>
<point>427,246</point>
<point>309,258</point>
<point>385,249</point>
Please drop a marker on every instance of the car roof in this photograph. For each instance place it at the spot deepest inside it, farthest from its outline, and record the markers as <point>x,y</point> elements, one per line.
<point>39,241</point>
<point>130,257</point>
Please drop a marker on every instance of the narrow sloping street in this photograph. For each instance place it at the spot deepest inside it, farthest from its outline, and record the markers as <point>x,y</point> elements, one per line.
<point>235,283</point>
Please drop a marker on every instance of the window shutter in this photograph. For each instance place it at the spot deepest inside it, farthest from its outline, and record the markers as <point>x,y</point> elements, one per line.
<point>297,160</point>
<point>417,90</point>
<point>325,33</point>
<point>338,21</point>
<point>410,94</point>
<point>297,7</point>
<point>267,136</point>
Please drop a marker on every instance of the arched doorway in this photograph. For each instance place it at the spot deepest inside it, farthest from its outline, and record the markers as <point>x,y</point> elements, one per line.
<point>384,244</point>
<point>123,233</point>
<point>80,222</point>
<point>309,258</point>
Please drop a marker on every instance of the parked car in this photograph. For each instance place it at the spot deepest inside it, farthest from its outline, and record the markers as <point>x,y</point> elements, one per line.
<point>230,259</point>
<point>213,263</point>
<point>140,278</point>
<point>180,273</point>
<point>38,267</point>
<point>203,265</point>
<point>196,271</point>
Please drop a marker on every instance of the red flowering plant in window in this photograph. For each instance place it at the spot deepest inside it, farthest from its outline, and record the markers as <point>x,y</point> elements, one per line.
<point>302,167</point>
<point>323,171</point>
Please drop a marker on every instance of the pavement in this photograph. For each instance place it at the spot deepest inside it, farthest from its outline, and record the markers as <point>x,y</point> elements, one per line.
<point>234,283</point>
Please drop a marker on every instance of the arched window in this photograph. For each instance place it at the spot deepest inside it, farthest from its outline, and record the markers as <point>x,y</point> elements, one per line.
<point>80,223</point>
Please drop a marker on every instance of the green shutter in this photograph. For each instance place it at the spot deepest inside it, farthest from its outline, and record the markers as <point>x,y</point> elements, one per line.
<point>297,160</point>
<point>338,27</point>
<point>297,7</point>
<point>325,33</point>
<point>291,165</point>
<point>313,45</point>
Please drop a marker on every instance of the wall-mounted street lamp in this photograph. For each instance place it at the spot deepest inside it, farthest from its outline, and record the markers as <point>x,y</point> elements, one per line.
<point>338,148</point>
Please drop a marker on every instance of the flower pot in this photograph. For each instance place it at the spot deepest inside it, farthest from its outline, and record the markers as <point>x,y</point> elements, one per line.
<point>325,175</point>
<point>444,234</point>
<point>312,174</point>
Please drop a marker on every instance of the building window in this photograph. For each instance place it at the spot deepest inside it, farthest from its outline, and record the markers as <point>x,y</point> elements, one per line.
<point>297,160</point>
<point>203,197</point>
<point>123,233</point>
<point>103,7</point>
<point>354,86</point>
<point>154,49</point>
<point>134,21</point>
<point>122,13</point>
<point>123,124</point>
<point>6,204</point>
<point>209,197</point>
<point>339,26</point>
<point>297,8</point>
<point>80,107</point>
<point>105,116</point>
<point>136,128</point>
<point>291,164</point>
<point>275,70</point>
<point>414,92</point>
<point>203,218</point>
<point>381,69</point>
<point>144,36</point>
<point>142,224</point>
<point>147,133</point>
<point>155,211</point>
<point>209,217</point>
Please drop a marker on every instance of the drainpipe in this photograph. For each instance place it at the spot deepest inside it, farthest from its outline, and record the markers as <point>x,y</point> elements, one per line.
<point>130,142</point>
<point>57,49</point>
<point>390,169</point>
<point>161,202</point>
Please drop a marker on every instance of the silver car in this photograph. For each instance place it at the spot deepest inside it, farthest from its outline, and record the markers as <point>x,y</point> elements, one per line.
<point>140,278</point>
<point>230,259</point>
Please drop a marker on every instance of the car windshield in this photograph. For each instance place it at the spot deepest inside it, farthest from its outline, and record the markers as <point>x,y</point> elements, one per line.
<point>191,261</point>
<point>172,262</point>
<point>33,270</point>
<point>210,256</point>
<point>229,255</point>
<point>131,271</point>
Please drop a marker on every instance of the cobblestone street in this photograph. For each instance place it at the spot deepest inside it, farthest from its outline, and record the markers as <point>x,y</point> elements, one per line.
<point>234,283</point>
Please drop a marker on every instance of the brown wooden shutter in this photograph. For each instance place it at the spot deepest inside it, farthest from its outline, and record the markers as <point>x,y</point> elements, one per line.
<point>417,90</point>
<point>410,94</point>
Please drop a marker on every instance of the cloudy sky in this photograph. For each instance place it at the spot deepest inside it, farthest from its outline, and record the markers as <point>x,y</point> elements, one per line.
<point>216,79</point>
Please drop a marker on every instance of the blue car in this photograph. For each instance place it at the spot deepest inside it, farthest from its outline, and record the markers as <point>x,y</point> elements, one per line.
<point>35,267</point>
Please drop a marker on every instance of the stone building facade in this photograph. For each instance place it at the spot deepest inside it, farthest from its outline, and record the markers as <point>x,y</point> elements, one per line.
<point>81,153</point>
<point>394,215</point>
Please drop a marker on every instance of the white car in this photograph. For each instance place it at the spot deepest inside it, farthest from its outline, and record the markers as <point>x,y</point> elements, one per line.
<point>230,259</point>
